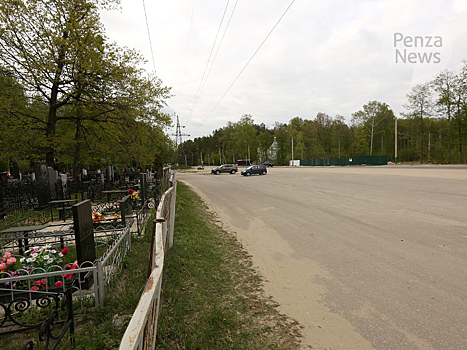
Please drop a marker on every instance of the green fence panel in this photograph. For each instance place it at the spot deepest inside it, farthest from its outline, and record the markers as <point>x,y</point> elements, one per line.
<point>360,160</point>
<point>372,160</point>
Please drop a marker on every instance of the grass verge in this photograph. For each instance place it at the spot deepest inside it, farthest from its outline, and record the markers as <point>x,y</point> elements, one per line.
<point>212,297</point>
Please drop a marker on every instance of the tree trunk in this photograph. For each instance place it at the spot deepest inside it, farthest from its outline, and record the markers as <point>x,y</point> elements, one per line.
<point>50,133</point>
<point>421,138</point>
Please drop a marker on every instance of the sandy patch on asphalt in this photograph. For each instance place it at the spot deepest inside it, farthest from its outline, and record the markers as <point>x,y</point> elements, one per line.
<point>294,283</point>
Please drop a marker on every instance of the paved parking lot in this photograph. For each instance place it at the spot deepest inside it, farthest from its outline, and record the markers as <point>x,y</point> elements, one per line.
<point>362,257</point>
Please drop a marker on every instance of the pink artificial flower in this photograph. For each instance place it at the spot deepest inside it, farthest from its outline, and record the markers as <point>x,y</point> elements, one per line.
<point>2,266</point>
<point>34,288</point>
<point>37,283</point>
<point>34,251</point>
<point>11,261</point>
<point>44,281</point>
<point>7,255</point>
<point>65,251</point>
<point>58,284</point>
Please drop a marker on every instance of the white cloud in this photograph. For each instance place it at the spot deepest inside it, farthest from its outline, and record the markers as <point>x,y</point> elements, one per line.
<point>330,57</point>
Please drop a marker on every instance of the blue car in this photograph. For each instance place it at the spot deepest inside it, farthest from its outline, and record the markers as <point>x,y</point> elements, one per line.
<point>255,169</point>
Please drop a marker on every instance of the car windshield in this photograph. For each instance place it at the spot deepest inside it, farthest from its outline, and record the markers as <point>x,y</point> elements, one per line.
<point>250,167</point>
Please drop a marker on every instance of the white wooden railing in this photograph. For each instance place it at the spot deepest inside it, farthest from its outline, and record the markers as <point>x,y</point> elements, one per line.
<point>142,330</point>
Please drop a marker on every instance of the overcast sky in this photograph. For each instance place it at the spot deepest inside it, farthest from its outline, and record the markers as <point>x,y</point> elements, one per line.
<point>322,56</point>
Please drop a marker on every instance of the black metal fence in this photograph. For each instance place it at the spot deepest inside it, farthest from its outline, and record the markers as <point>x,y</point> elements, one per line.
<point>25,202</point>
<point>51,314</point>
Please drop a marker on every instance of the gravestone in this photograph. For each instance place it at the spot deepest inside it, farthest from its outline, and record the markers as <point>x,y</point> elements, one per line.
<point>110,173</point>
<point>42,184</point>
<point>125,204</point>
<point>52,183</point>
<point>143,187</point>
<point>84,175</point>
<point>64,182</point>
<point>84,235</point>
<point>3,180</point>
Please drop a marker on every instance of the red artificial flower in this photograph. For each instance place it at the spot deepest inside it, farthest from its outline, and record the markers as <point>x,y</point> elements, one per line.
<point>58,284</point>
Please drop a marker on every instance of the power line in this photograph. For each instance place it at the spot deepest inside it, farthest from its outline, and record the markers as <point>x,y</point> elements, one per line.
<point>207,63</point>
<point>218,47</point>
<point>254,54</point>
<point>149,36</point>
<point>188,44</point>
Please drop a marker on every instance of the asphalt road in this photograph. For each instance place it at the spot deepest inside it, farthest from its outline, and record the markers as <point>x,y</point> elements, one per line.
<point>377,253</point>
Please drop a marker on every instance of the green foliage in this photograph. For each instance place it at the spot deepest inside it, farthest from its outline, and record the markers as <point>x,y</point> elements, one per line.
<point>374,117</point>
<point>434,126</point>
<point>79,87</point>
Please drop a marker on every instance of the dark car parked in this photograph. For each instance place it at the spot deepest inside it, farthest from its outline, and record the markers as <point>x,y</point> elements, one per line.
<point>226,168</point>
<point>255,169</point>
<point>269,163</point>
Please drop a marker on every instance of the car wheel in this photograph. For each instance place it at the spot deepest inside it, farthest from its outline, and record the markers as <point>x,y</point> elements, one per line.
<point>217,172</point>
<point>264,173</point>
<point>248,174</point>
<point>232,172</point>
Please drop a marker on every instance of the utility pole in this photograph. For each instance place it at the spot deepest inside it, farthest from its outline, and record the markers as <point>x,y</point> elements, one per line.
<point>178,135</point>
<point>292,149</point>
<point>395,145</point>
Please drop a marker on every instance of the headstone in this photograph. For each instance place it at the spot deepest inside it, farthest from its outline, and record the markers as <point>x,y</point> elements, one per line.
<point>124,206</point>
<point>143,187</point>
<point>64,181</point>
<point>3,180</point>
<point>42,184</point>
<point>110,173</point>
<point>52,183</point>
<point>84,235</point>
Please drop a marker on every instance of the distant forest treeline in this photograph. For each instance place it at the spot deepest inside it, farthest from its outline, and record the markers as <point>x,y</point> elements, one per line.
<point>432,130</point>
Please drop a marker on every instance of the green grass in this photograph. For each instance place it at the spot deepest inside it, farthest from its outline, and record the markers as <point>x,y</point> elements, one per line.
<point>212,297</point>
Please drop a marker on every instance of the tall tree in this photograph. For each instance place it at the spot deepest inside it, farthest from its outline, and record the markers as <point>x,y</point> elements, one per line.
<point>420,106</point>
<point>460,102</point>
<point>372,115</point>
<point>57,50</point>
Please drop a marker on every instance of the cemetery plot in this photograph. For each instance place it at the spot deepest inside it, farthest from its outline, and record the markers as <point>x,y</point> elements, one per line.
<point>41,256</point>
